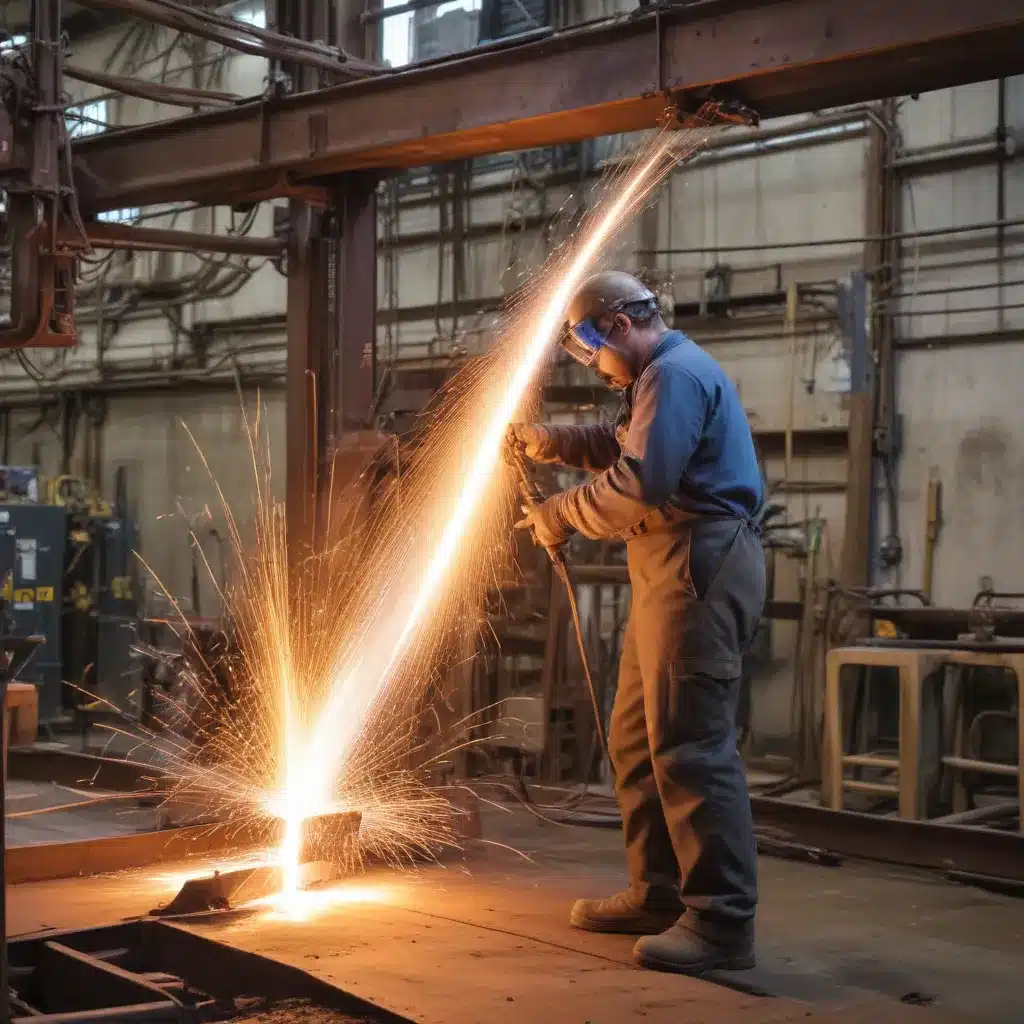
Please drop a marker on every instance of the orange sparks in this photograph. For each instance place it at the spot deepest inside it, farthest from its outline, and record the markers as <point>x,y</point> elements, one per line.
<point>339,647</point>
<point>364,681</point>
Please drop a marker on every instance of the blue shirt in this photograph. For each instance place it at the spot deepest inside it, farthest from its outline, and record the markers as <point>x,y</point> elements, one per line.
<point>682,436</point>
<point>690,431</point>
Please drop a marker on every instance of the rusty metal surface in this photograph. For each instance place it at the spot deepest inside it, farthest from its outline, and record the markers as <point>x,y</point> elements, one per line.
<point>151,970</point>
<point>331,320</point>
<point>42,288</point>
<point>356,291</point>
<point>47,861</point>
<point>781,58</point>
<point>227,973</point>
<point>920,844</point>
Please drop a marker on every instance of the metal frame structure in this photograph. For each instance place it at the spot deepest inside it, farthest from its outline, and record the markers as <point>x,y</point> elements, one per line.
<point>781,57</point>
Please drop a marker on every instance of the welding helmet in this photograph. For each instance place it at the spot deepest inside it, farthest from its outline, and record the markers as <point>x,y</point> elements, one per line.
<point>606,293</point>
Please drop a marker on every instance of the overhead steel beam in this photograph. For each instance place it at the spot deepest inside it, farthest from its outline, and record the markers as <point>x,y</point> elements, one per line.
<point>781,57</point>
<point>109,235</point>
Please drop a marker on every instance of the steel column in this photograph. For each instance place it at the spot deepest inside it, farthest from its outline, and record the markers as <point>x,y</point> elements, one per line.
<point>356,298</point>
<point>332,279</point>
<point>306,347</point>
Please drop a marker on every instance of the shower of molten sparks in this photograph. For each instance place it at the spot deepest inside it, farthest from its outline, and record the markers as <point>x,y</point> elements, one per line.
<point>319,711</point>
<point>398,622</point>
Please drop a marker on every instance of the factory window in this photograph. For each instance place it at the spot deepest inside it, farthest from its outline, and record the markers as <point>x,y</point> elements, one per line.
<point>251,14</point>
<point>13,43</point>
<point>427,32</point>
<point>125,216</point>
<point>86,118</point>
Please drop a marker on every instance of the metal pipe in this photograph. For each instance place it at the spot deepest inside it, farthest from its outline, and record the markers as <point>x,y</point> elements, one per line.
<point>273,45</point>
<point>271,35</point>
<point>1010,337</point>
<point>940,158</point>
<point>106,235</point>
<point>1003,139</point>
<point>380,14</point>
<point>159,92</point>
<point>971,764</point>
<point>980,815</point>
<point>898,236</point>
<point>954,288</point>
<point>953,312</point>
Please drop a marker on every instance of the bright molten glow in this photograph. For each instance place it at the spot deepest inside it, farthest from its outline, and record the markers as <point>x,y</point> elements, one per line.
<point>307,903</point>
<point>364,681</point>
<point>327,696</point>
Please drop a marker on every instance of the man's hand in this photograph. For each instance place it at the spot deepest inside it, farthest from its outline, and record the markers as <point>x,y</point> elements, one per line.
<point>529,438</point>
<point>548,529</point>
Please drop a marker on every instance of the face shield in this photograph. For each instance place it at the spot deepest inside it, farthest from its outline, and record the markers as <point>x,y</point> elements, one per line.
<point>584,341</point>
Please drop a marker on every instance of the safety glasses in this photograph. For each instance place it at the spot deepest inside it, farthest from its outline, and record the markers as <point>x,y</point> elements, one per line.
<point>584,341</point>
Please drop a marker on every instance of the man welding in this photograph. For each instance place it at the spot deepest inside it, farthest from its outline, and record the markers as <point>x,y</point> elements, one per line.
<point>678,480</point>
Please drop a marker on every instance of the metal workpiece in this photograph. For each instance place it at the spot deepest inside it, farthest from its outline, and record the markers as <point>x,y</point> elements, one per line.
<point>786,57</point>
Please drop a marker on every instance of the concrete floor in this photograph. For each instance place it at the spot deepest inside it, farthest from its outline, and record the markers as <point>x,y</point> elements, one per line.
<point>484,938</point>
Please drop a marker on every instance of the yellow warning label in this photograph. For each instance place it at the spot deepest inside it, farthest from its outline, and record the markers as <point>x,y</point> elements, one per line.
<point>24,595</point>
<point>121,588</point>
<point>8,586</point>
<point>44,593</point>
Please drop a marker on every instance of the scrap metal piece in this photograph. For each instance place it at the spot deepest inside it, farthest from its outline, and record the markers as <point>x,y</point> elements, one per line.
<point>238,889</point>
<point>332,839</point>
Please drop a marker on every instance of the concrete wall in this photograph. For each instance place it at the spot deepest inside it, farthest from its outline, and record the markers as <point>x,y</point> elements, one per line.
<point>962,417</point>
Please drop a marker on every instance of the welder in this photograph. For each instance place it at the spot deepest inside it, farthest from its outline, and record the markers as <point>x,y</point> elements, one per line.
<point>677,478</point>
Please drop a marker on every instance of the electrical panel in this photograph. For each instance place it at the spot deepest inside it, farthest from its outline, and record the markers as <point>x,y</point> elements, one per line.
<point>32,539</point>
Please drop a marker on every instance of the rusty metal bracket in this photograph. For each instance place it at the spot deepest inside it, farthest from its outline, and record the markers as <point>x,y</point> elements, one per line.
<point>714,110</point>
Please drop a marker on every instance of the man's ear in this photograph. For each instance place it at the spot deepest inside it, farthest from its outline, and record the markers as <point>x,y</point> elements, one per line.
<point>622,323</point>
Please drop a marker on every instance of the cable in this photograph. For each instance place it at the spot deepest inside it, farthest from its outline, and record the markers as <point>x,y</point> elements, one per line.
<point>532,496</point>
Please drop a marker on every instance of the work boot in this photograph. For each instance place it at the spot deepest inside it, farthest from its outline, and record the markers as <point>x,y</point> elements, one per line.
<point>625,914</point>
<point>695,946</point>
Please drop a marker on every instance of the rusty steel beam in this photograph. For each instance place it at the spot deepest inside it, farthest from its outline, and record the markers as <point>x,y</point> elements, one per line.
<point>105,235</point>
<point>780,57</point>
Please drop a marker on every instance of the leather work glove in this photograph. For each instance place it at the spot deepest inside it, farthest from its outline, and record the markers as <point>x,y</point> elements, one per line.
<point>529,438</point>
<point>549,531</point>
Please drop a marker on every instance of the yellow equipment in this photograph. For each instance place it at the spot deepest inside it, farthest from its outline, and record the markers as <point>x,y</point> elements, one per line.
<point>75,494</point>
